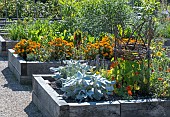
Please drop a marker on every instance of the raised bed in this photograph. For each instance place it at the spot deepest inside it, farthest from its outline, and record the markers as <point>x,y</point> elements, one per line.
<point>56,106</point>
<point>51,104</point>
<point>23,70</point>
<point>5,45</point>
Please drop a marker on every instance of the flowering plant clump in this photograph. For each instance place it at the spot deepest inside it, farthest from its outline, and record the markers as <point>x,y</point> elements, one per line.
<point>135,77</point>
<point>92,50</point>
<point>61,49</point>
<point>103,48</point>
<point>25,47</point>
<point>160,70</point>
<point>130,76</point>
<point>106,47</point>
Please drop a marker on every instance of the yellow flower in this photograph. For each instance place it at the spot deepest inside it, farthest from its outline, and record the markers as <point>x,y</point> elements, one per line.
<point>97,73</point>
<point>22,50</point>
<point>159,54</point>
<point>106,54</point>
<point>136,87</point>
<point>160,43</point>
<point>145,81</point>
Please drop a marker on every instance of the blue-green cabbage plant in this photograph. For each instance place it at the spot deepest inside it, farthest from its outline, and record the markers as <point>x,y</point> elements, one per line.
<point>79,83</point>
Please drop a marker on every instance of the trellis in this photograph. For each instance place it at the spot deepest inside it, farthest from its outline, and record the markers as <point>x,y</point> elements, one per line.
<point>144,32</point>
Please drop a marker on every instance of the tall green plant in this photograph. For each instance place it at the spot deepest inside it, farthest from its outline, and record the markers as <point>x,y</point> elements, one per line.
<point>68,10</point>
<point>101,15</point>
<point>36,30</point>
<point>17,31</point>
<point>28,8</point>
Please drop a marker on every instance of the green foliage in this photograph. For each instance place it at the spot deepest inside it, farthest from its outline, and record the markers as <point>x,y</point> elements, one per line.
<point>17,31</point>
<point>160,70</point>
<point>130,73</point>
<point>36,30</point>
<point>79,83</point>
<point>163,29</point>
<point>27,8</point>
<point>101,15</point>
<point>68,10</point>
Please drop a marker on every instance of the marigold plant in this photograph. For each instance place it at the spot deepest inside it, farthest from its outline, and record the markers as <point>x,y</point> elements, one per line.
<point>106,46</point>
<point>25,47</point>
<point>61,49</point>
<point>103,48</point>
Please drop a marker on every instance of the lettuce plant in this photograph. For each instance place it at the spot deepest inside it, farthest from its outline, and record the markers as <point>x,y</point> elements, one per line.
<point>79,83</point>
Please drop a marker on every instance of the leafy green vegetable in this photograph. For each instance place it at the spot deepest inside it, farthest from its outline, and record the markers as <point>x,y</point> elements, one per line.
<point>79,83</point>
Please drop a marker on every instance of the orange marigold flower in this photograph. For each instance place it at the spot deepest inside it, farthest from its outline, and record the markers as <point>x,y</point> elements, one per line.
<point>109,71</point>
<point>22,50</point>
<point>113,64</point>
<point>130,92</point>
<point>160,79</point>
<point>106,54</point>
<point>128,88</point>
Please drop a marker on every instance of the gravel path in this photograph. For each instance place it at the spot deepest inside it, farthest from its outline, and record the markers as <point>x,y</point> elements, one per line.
<point>15,99</point>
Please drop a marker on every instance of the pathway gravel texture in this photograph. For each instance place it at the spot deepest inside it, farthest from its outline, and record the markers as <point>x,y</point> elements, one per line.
<point>15,99</point>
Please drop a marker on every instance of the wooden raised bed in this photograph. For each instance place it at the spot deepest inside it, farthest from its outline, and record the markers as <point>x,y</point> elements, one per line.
<point>23,70</point>
<point>51,104</point>
<point>5,45</point>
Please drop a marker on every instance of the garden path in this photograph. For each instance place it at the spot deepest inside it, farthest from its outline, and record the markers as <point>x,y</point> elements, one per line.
<point>15,99</point>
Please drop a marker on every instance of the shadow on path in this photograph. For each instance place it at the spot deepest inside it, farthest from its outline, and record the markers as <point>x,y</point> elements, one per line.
<point>13,83</point>
<point>32,110</point>
<point>3,58</point>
